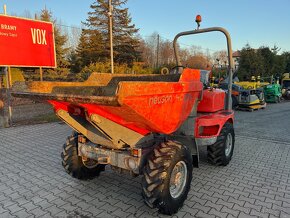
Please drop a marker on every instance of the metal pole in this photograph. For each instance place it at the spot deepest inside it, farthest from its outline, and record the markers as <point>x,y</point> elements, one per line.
<point>6,71</point>
<point>10,77</point>
<point>41,74</point>
<point>2,115</point>
<point>157,51</point>
<point>4,9</point>
<point>1,79</point>
<point>111,35</point>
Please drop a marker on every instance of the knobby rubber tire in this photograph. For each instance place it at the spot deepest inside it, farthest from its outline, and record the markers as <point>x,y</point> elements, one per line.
<point>216,152</point>
<point>157,173</point>
<point>73,164</point>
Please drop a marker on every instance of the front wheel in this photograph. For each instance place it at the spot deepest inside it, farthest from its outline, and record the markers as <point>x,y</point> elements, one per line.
<point>78,167</point>
<point>221,152</point>
<point>167,177</point>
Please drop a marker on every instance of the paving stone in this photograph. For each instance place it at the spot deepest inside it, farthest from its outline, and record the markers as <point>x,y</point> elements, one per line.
<point>259,214</point>
<point>212,205</point>
<point>68,207</point>
<point>107,215</point>
<point>264,204</point>
<point>209,198</point>
<point>282,209</point>
<point>38,212</point>
<point>253,206</point>
<point>14,208</point>
<point>235,201</point>
<point>195,199</point>
<point>284,215</point>
<point>190,210</point>
<point>242,209</point>
<point>229,211</point>
<point>244,215</point>
<point>214,212</point>
<point>29,206</point>
<point>255,183</point>
<point>53,210</point>
<point>23,214</point>
<point>2,210</point>
<point>7,215</point>
<point>44,204</point>
<point>201,214</point>
<point>120,213</point>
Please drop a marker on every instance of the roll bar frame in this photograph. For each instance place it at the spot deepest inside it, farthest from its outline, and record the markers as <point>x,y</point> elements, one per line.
<point>228,105</point>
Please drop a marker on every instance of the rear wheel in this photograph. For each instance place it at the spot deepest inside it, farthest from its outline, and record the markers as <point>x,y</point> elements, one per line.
<point>167,177</point>
<point>221,152</point>
<point>78,167</point>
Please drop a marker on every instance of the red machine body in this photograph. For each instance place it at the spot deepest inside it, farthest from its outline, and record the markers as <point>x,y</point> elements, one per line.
<point>146,106</point>
<point>210,125</point>
<point>213,100</point>
<point>161,107</point>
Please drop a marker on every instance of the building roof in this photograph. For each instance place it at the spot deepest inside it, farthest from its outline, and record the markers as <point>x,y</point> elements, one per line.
<point>236,54</point>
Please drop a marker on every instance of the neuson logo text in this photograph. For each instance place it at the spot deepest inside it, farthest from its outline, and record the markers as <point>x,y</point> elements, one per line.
<point>160,99</point>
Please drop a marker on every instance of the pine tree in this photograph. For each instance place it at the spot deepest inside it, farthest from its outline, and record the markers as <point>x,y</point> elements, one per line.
<point>90,48</point>
<point>124,32</point>
<point>60,39</point>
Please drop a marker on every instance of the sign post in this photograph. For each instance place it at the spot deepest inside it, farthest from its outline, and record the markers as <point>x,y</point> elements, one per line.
<point>8,121</point>
<point>3,121</point>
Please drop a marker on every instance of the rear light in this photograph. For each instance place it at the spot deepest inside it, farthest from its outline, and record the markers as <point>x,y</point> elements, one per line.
<point>208,130</point>
<point>77,111</point>
<point>136,152</point>
<point>82,139</point>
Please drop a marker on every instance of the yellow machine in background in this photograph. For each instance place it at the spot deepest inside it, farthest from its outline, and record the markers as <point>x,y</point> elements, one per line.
<point>253,84</point>
<point>252,97</point>
<point>285,84</point>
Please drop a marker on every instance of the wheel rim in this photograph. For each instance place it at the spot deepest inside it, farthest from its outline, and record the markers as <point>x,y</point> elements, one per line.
<point>178,179</point>
<point>89,163</point>
<point>229,144</point>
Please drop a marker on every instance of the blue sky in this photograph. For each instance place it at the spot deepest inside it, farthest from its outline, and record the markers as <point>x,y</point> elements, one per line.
<point>257,22</point>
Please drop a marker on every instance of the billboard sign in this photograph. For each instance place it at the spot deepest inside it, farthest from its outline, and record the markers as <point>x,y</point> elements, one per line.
<point>26,43</point>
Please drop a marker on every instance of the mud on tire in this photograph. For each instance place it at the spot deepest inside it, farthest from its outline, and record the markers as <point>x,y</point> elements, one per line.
<point>161,172</point>
<point>221,152</point>
<point>73,163</point>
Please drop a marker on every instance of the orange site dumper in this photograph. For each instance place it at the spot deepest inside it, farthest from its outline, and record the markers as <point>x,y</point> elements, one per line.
<point>148,125</point>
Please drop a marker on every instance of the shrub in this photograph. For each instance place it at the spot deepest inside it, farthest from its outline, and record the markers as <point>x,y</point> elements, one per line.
<point>99,67</point>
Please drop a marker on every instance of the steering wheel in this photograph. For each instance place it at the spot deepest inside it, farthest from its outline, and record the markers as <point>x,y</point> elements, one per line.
<point>175,69</point>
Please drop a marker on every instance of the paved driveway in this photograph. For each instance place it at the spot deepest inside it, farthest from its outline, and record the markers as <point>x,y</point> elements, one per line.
<point>255,184</point>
